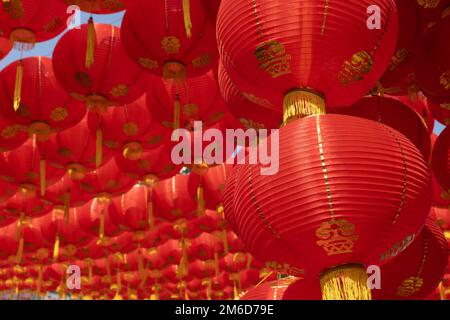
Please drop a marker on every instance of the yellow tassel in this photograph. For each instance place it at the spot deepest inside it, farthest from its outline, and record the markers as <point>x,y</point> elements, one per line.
<point>18,86</point>
<point>235,290</point>
<point>56,249</point>
<point>302,103</point>
<point>42,175</point>
<point>39,284</point>
<point>99,149</point>
<point>187,18</point>
<point>200,200</point>
<point>140,265</point>
<point>225,241</point>
<point>19,251</point>
<point>345,283</point>
<point>176,113</point>
<point>67,207</point>
<point>151,219</point>
<point>183,266</point>
<point>216,264</point>
<point>101,229</point>
<point>249,261</point>
<point>91,40</point>
<point>19,225</point>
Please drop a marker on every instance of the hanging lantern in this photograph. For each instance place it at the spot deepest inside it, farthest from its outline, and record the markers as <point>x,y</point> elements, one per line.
<point>420,104</point>
<point>182,42</point>
<point>417,271</point>
<point>396,115</point>
<point>26,22</point>
<point>303,289</point>
<point>337,229</point>
<point>38,101</point>
<point>11,135</point>
<point>100,6</point>
<point>273,290</point>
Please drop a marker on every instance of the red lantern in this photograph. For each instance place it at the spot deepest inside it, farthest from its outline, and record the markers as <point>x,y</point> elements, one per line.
<point>5,47</point>
<point>182,43</point>
<point>399,77</point>
<point>383,172</point>
<point>419,103</point>
<point>432,70</point>
<point>100,6</point>
<point>26,22</point>
<point>38,101</point>
<point>442,217</point>
<point>441,111</point>
<point>417,271</point>
<point>273,290</point>
<point>440,161</point>
<point>396,115</point>
<point>66,194</point>
<point>11,135</point>
<point>303,289</point>
<point>258,42</point>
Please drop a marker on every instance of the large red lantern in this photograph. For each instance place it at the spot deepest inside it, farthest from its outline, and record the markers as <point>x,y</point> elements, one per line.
<point>394,114</point>
<point>417,271</point>
<point>26,22</point>
<point>183,41</point>
<point>273,290</point>
<point>313,203</point>
<point>419,103</point>
<point>100,6</point>
<point>440,158</point>
<point>37,101</point>
<point>275,50</point>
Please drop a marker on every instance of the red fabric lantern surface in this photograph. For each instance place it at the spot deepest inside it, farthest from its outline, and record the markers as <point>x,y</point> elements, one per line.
<point>441,111</point>
<point>417,271</point>
<point>22,206</point>
<point>177,106</point>
<point>172,199</point>
<point>100,6</point>
<point>442,217</point>
<point>273,290</point>
<point>303,289</point>
<point>259,41</point>
<point>66,194</point>
<point>24,167</point>
<point>90,252</point>
<point>431,11</point>
<point>432,70</point>
<point>396,115</point>
<point>129,129</point>
<point>26,22</point>
<point>420,104</point>
<point>11,135</point>
<point>112,79</point>
<point>264,222</point>
<point>183,42</point>
<point>205,247</point>
<point>245,107</point>
<point>5,47</point>
<point>42,104</point>
<point>75,156</point>
<point>440,163</point>
<point>399,77</point>
<point>441,198</point>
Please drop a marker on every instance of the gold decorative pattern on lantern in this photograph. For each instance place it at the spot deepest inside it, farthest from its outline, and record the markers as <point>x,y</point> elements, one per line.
<point>445,80</point>
<point>155,139</point>
<point>273,59</point>
<point>120,90</point>
<point>250,124</point>
<point>428,4</point>
<point>65,152</point>
<point>190,109</point>
<point>70,250</point>
<point>170,44</point>
<point>53,25</point>
<point>112,184</point>
<point>409,286</point>
<point>10,132</point>
<point>59,114</point>
<point>201,61</point>
<point>114,5</point>
<point>397,248</point>
<point>257,100</point>
<point>338,236</point>
<point>130,128</point>
<point>83,79</point>
<point>111,144</point>
<point>285,268</point>
<point>148,63</point>
<point>398,60</point>
<point>353,70</point>
<point>13,8</point>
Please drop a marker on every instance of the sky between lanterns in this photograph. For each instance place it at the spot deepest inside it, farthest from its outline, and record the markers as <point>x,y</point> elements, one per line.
<point>46,48</point>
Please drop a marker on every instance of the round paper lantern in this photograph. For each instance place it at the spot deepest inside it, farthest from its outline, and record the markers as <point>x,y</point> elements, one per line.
<point>432,70</point>
<point>100,6</point>
<point>11,135</point>
<point>440,160</point>
<point>309,201</point>
<point>417,271</point>
<point>182,42</point>
<point>245,107</point>
<point>396,115</point>
<point>399,77</point>
<point>66,194</point>
<point>178,106</point>
<point>110,79</point>
<point>419,103</point>
<point>26,22</point>
<point>270,57</point>
<point>37,100</point>
<point>273,290</point>
<point>5,47</point>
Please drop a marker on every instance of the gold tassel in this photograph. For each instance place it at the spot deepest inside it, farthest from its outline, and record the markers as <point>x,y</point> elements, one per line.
<point>140,262</point>
<point>216,263</point>
<point>187,18</point>
<point>39,284</point>
<point>19,251</point>
<point>42,175</point>
<point>67,207</point>
<point>249,260</point>
<point>108,268</point>
<point>91,39</point>
<point>19,225</point>
<point>225,241</point>
<point>99,149</point>
<point>302,103</point>
<point>235,290</point>
<point>151,219</point>
<point>56,249</point>
<point>183,266</point>
<point>18,86</point>
<point>176,112</point>
<point>101,229</point>
<point>347,282</point>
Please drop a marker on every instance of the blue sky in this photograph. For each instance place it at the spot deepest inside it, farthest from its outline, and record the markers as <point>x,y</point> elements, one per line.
<point>46,48</point>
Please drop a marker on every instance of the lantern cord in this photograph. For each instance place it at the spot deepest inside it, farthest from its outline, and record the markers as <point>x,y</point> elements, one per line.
<point>151,219</point>
<point>347,282</point>
<point>39,284</point>
<point>187,18</point>
<point>67,206</point>
<point>225,241</point>
<point>176,112</point>
<point>200,199</point>
<point>56,248</point>
<point>90,47</point>
<point>99,149</point>
<point>18,86</point>
<point>101,231</point>
<point>216,263</point>
<point>20,250</point>
<point>42,176</point>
